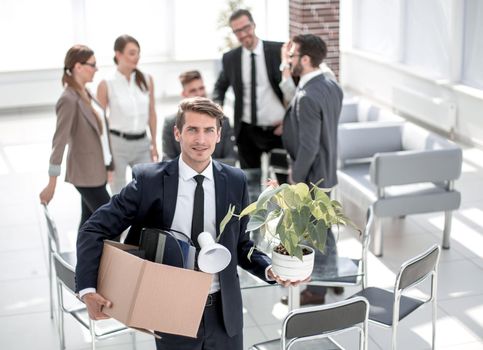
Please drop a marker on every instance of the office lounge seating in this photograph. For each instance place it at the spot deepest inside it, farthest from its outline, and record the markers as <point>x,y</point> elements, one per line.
<point>400,169</point>
<point>312,327</point>
<point>62,271</point>
<point>388,308</point>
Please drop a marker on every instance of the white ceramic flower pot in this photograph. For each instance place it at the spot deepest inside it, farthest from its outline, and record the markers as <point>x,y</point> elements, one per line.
<point>292,268</point>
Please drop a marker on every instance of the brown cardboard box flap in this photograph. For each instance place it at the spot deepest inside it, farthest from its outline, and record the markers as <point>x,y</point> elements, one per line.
<point>118,281</point>
<point>181,296</point>
<point>151,296</point>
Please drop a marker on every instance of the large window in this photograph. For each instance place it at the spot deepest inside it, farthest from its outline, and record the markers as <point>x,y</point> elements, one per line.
<point>376,27</point>
<point>438,39</point>
<point>427,45</point>
<point>473,52</point>
<point>36,34</point>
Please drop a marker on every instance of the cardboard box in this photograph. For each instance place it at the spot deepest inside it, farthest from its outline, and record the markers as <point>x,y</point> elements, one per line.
<point>151,296</point>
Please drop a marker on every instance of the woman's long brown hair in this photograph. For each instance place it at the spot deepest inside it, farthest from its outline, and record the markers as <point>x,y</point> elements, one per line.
<point>120,45</point>
<point>78,54</point>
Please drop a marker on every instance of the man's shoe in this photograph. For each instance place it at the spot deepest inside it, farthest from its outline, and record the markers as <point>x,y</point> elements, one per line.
<point>306,298</point>
<point>338,290</point>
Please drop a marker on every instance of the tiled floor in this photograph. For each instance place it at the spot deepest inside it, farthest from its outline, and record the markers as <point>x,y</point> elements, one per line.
<point>24,306</point>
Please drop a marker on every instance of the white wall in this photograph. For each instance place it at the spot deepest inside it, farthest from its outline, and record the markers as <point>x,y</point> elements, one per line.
<point>443,103</point>
<point>43,87</point>
<point>379,80</point>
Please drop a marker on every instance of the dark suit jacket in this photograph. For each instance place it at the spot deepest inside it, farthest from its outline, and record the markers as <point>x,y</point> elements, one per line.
<point>150,201</point>
<point>231,75</point>
<point>224,150</point>
<point>310,131</point>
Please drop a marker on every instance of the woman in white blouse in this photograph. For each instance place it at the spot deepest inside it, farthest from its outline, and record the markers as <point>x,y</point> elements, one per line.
<point>129,98</point>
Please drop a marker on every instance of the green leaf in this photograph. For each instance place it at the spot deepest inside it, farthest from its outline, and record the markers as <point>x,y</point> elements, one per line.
<point>321,230</point>
<point>301,189</point>
<point>249,209</point>
<point>297,251</point>
<point>267,194</point>
<point>226,219</point>
<point>257,220</point>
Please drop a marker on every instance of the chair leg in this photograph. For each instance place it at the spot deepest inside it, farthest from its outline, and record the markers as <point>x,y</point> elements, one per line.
<point>133,338</point>
<point>394,337</point>
<point>434,324</point>
<point>92,329</point>
<point>448,216</point>
<point>51,290</point>
<point>61,317</point>
<point>377,234</point>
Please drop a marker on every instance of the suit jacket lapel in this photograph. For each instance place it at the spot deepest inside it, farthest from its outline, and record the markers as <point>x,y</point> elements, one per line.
<point>89,115</point>
<point>170,192</point>
<point>238,67</point>
<point>220,194</point>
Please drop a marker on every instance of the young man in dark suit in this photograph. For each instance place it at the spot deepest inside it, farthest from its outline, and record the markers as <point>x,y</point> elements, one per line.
<point>164,195</point>
<point>310,133</point>
<point>253,71</point>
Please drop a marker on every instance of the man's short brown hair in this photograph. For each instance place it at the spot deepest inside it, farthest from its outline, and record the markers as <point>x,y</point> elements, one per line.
<point>200,105</point>
<point>187,77</point>
<point>240,13</point>
<point>312,46</point>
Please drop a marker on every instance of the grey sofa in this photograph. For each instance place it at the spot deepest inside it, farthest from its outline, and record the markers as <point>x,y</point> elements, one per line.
<point>400,169</point>
<point>356,110</point>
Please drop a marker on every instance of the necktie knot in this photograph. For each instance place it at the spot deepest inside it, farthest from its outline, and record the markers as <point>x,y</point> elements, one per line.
<point>199,179</point>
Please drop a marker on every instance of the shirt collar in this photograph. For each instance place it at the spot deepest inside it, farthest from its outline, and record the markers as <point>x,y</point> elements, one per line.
<point>306,77</point>
<point>186,172</point>
<point>258,50</point>
<point>119,75</point>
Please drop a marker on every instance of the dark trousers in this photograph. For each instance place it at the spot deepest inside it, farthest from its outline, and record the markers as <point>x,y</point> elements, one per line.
<point>211,334</point>
<point>91,199</point>
<point>254,140</point>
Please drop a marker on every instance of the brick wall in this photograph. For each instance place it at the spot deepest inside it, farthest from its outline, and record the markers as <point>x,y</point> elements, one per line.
<point>319,17</point>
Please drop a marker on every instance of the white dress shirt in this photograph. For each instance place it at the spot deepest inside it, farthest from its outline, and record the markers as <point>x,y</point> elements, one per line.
<point>306,77</point>
<point>184,209</point>
<point>183,213</point>
<point>128,105</point>
<point>269,108</point>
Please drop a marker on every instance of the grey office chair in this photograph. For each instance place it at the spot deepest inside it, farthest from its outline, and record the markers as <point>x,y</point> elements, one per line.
<point>311,327</point>
<point>63,264</point>
<point>390,307</point>
<point>54,246</point>
<point>65,276</point>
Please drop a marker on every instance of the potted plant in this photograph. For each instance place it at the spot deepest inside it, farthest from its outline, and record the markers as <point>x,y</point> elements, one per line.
<point>297,217</point>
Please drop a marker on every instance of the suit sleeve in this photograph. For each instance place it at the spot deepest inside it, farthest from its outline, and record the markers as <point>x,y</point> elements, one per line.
<point>169,148</point>
<point>222,84</point>
<point>258,261</point>
<point>108,222</point>
<point>309,115</point>
<point>66,111</point>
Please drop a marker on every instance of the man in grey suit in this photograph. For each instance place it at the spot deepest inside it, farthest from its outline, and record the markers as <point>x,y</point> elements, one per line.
<point>193,86</point>
<point>310,132</point>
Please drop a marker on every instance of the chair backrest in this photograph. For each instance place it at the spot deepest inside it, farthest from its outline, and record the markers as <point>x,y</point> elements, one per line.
<point>418,268</point>
<point>52,230</point>
<point>64,272</point>
<point>324,320</point>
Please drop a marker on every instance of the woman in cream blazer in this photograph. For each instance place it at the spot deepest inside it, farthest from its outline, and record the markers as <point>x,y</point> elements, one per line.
<point>82,126</point>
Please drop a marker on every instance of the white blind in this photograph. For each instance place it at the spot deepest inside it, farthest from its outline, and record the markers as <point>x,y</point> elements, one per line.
<point>473,45</point>
<point>376,27</point>
<point>427,43</point>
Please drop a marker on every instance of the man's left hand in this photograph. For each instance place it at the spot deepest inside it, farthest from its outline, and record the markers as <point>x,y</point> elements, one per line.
<point>278,128</point>
<point>284,282</point>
